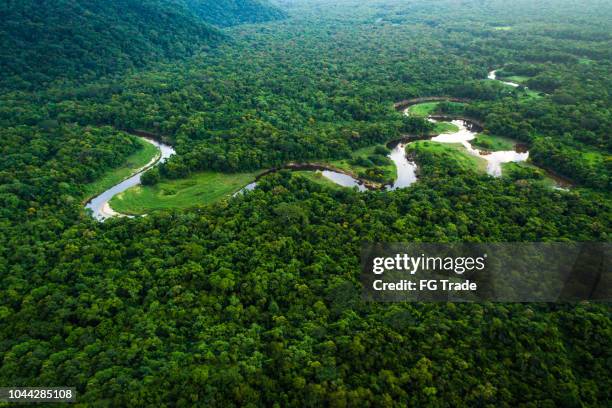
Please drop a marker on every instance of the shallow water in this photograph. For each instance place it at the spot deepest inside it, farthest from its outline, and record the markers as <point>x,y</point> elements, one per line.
<point>492,75</point>
<point>343,180</point>
<point>494,159</point>
<point>406,169</point>
<point>245,189</point>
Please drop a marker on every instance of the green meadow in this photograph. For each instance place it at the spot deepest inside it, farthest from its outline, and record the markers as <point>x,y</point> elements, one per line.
<point>197,189</point>
<point>132,163</point>
<point>493,143</point>
<point>453,152</point>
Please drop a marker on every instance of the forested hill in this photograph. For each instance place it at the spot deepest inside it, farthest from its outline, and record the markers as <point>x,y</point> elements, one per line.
<point>82,39</point>
<point>226,13</point>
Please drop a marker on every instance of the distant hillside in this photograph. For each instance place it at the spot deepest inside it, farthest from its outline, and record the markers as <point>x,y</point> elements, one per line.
<point>226,13</point>
<point>42,40</point>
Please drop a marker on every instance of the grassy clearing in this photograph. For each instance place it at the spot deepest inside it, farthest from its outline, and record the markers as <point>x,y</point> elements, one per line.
<point>454,152</point>
<point>134,162</point>
<point>423,109</point>
<point>319,178</point>
<point>493,143</point>
<point>526,94</point>
<point>197,189</point>
<point>445,127</point>
<point>515,78</point>
<point>387,171</point>
<point>427,108</point>
<point>530,94</point>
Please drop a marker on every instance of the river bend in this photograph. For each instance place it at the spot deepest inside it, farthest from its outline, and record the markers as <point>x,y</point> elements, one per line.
<point>99,205</point>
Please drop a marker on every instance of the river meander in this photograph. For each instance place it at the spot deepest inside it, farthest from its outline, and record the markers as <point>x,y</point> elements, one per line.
<point>494,159</point>
<point>99,206</point>
<point>493,75</point>
<point>406,168</point>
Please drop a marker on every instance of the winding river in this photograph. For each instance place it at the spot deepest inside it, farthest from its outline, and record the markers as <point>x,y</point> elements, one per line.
<point>493,75</point>
<point>99,206</point>
<point>406,168</point>
<point>494,159</point>
<point>343,180</point>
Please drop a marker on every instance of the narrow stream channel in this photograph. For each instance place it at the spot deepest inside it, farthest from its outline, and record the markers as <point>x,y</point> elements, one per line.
<point>99,206</point>
<point>406,169</point>
<point>343,180</point>
<point>493,75</point>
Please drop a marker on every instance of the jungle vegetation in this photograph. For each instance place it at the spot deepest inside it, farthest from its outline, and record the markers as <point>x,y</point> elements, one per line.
<point>255,300</point>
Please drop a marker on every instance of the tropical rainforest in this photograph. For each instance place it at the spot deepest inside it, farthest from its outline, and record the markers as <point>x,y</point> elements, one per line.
<point>254,299</point>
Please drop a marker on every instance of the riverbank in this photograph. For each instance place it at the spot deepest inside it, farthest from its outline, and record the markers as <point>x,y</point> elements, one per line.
<point>494,143</point>
<point>202,187</point>
<point>323,167</point>
<point>144,157</point>
<point>454,152</point>
<point>402,105</point>
<point>368,163</point>
<point>100,205</point>
<point>370,168</point>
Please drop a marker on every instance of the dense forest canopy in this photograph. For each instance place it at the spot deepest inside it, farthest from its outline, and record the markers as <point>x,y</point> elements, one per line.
<point>233,12</point>
<point>45,40</point>
<point>255,300</point>
<point>42,41</point>
<point>305,93</point>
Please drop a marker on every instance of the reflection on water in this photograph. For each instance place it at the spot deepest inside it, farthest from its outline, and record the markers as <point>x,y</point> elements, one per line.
<point>343,180</point>
<point>494,159</point>
<point>248,187</point>
<point>99,205</point>
<point>493,75</point>
<point>406,169</point>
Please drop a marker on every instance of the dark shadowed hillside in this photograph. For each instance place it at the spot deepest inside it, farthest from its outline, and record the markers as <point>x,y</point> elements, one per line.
<point>44,40</point>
